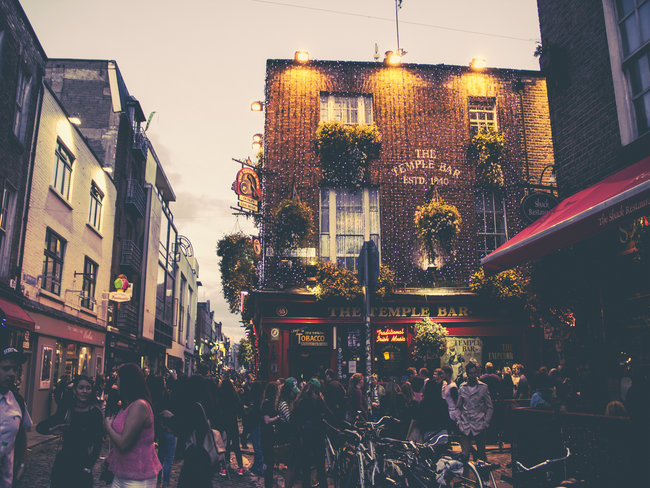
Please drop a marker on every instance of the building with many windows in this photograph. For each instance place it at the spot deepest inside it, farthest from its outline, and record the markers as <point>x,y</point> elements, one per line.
<point>67,255</point>
<point>425,117</point>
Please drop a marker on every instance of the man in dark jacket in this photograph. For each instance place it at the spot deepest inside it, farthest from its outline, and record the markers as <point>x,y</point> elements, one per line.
<point>433,416</point>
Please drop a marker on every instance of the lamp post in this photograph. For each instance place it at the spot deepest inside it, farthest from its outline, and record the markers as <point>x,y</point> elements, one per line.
<point>369,273</point>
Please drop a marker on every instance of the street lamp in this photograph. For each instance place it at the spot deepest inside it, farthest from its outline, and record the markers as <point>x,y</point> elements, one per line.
<point>301,57</point>
<point>393,58</point>
<point>257,106</point>
<point>551,179</point>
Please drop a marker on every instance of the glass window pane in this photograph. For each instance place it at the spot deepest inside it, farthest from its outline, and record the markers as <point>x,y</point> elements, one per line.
<point>639,75</point>
<point>324,246</point>
<point>642,109</point>
<point>624,7</point>
<point>324,116</point>
<point>644,21</point>
<point>631,36</point>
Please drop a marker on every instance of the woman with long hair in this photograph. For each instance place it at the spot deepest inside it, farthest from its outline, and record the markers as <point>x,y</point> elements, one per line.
<point>269,418</point>
<point>80,424</point>
<point>164,422</point>
<point>230,408</point>
<point>356,399</point>
<point>309,412</point>
<point>132,457</point>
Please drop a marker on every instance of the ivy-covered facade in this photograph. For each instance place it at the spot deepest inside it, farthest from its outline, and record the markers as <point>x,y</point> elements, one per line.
<point>366,147</point>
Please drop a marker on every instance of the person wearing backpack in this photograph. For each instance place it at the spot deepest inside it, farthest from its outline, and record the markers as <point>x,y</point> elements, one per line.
<point>14,418</point>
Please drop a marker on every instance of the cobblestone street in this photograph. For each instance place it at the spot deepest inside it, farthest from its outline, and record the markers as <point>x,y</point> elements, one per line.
<point>41,456</point>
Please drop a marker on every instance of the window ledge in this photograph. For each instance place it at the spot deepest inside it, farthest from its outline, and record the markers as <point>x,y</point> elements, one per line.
<point>87,311</point>
<point>99,234</point>
<point>61,197</point>
<point>50,296</point>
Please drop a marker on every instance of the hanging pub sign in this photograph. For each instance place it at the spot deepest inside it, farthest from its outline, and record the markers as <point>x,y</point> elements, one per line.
<point>257,248</point>
<point>248,189</point>
<point>536,205</point>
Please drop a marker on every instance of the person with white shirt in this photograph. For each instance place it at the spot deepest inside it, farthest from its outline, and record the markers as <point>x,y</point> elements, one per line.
<point>14,418</point>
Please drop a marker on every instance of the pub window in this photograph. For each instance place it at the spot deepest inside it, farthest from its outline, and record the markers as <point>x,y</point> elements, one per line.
<point>482,113</point>
<point>347,219</point>
<point>491,223</point>
<point>347,109</point>
<point>21,109</point>
<point>53,262</point>
<point>7,212</point>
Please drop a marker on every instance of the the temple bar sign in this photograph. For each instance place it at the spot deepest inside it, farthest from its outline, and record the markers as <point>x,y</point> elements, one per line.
<point>403,311</point>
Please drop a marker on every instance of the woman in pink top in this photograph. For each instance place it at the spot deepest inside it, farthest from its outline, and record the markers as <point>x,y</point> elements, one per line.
<point>132,458</point>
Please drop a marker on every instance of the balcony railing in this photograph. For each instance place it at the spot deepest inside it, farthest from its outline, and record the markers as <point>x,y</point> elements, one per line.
<point>140,143</point>
<point>131,255</point>
<point>127,317</point>
<point>135,197</point>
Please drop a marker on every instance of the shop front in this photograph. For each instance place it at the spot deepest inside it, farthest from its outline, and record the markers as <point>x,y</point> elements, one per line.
<point>302,337</point>
<point>62,350</point>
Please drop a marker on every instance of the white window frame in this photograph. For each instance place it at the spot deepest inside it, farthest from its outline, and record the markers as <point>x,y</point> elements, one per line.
<point>363,108</point>
<point>486,233</point>
<point>7,216</point>
<point>23,91</point>
<point>622,90</point>
<point>63,159</point>
<point>479,111</point>
<point>330,252</point>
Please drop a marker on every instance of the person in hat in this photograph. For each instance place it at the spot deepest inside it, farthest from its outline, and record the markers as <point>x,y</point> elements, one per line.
<point>14,418</point>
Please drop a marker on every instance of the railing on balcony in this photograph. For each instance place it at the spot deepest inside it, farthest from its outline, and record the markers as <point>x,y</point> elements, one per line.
<point>140,143</point>
<point>135,197</point>
<point>127,317</point>
<point>131,255</point>
<point>163,334</point>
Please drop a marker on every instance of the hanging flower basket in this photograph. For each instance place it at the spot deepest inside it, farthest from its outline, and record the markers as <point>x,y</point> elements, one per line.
<point>335,281</point>
<point>437,225</point>
<point>345,152</point>
<point>505,286</point>
<point>488,149</point>
<point>292,225</point>
<point>429,340</point>
<point>237,267</point>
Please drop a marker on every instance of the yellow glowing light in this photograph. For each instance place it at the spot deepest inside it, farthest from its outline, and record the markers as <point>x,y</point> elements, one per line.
<point>257,147</point>
<point>386,355</point>
<point>74,120</point>
<point>301,56</point>
<point>393,58</point>
<point>257,137</point>
<point>257,106</point>
<point>478,64</point>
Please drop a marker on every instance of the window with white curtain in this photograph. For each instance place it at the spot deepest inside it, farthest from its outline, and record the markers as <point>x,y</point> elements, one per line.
<point>347,219</point>
<point>491,229</point>
<point>347,109</point>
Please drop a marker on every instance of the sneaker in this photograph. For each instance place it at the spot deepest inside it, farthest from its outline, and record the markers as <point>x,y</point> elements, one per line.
<point>240,471</point>
<point>222,472</point>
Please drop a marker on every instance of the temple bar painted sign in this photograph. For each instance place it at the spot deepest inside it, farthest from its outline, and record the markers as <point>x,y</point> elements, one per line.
<point>403,311</point>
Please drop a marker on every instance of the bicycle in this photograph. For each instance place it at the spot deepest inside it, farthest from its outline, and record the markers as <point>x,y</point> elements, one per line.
<point>543,474</point>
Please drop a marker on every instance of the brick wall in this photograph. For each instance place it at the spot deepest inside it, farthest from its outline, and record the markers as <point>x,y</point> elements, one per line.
<point>422,114</point>
<point>47,208</point>
<point>20,50</point>
<point>581,92</point>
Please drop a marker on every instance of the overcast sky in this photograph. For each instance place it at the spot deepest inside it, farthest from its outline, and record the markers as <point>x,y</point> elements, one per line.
<point>199,63</point>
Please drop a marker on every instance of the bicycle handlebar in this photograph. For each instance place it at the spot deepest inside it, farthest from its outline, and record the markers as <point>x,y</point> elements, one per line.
<point>521,467</point>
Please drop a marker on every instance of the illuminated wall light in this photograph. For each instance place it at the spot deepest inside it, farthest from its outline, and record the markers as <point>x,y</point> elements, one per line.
<point>393,58</point>
<point>257,106</point>
<point>257,147</point>
<point>478,64</point>
<point>257,138</point>
<point>301,57</point>
<point>74,120</point>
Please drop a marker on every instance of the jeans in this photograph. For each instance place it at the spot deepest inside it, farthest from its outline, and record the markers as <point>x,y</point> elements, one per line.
<point>166,451</point>
<point>258,461</point>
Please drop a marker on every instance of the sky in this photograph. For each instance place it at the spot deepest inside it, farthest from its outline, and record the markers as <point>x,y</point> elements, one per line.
<point>200,63</point>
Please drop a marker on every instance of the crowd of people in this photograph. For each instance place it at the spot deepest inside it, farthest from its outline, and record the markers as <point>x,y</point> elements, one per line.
<point>150,420</point>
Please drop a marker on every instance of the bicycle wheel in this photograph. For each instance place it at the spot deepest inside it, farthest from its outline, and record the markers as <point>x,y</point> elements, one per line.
<point>468,479</point>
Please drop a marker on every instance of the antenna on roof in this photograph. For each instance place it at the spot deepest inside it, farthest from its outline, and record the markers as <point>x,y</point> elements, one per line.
<point>376,56</point>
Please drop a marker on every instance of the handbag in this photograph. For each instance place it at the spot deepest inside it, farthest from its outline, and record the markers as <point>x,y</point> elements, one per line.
<point>212,444</point>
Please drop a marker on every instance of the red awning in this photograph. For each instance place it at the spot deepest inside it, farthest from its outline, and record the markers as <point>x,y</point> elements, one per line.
<point>15,315</point>
<point>578,217</point>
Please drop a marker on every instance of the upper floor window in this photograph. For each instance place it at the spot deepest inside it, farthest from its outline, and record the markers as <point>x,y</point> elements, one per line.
<point>491,229</point>
<point>95,212</point>
<point>21,113</point>
<point>89,283</point>
<point>181,307</point>
<point>63,159</point>
<point>53,262</point>
<point>347,109</point>
<point>482,113</point>
<point>347,219</point>
<point>7,212</point>
<point>634,27</point>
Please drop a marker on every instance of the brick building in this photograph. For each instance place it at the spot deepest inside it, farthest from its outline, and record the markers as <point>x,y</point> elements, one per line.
<point>67,255</point>
<point>22,61</point>
<point>426,116</point>
<point>596,60</point>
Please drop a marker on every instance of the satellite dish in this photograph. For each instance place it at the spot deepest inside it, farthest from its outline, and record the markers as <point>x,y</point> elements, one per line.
<point>185,245</point>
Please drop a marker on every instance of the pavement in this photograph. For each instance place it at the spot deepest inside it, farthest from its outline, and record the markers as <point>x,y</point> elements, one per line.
<point>41,450</point>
